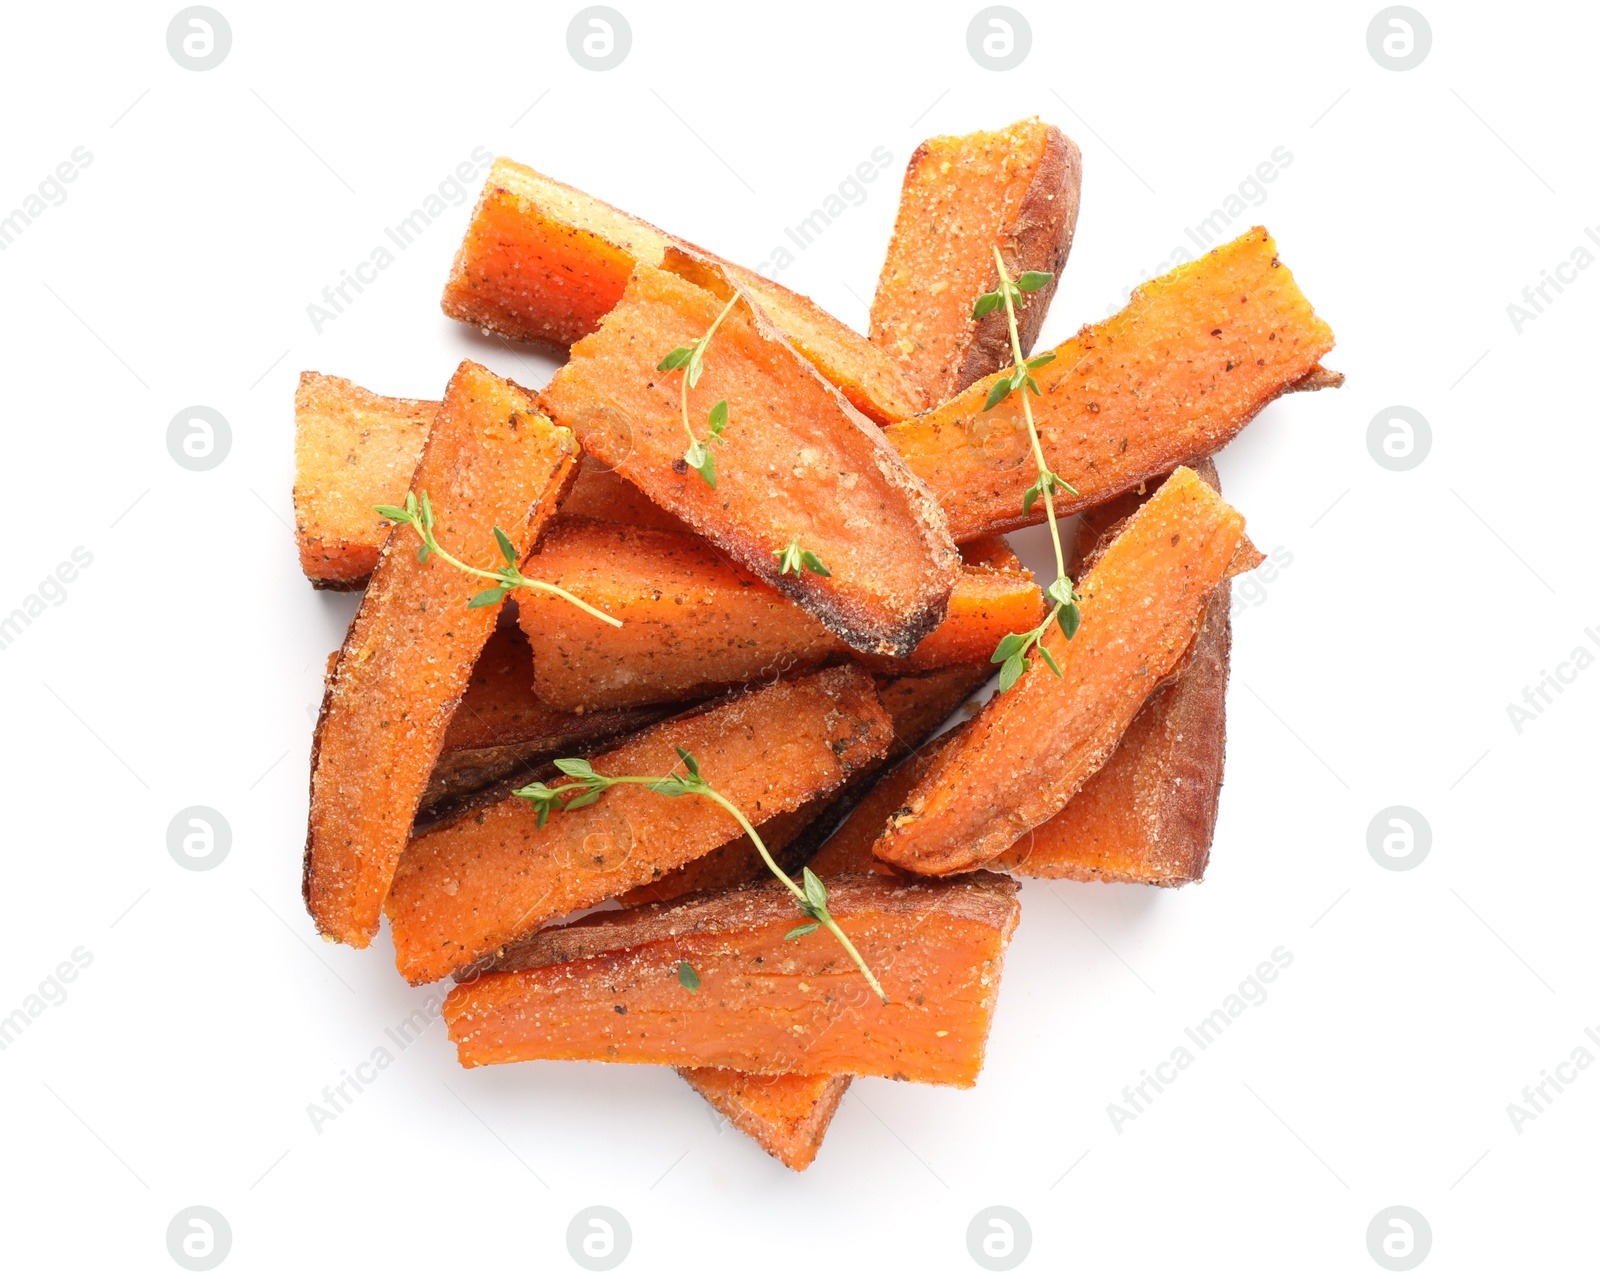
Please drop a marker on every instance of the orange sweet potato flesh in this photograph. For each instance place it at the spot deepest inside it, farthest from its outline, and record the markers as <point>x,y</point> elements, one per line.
<point>1014,188</point>
<point>1170,379</point>
<point>1148,815</point>
<point>796,460</point>
<point>606,988</point>
<point>542,261</point>
<point>355,450</point>
<point>1031,748</point>
<point>491,459</point>
<point>788,1115</point>
<point>352,450</point>
<point>916,705</point>
<point>500,727</point>
<point>466,889</point>
<point>695,623</point>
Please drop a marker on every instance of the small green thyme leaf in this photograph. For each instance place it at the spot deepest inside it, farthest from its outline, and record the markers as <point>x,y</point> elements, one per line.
<point>1032,281</point>
<point>687,977</point>
<point>801,930</point>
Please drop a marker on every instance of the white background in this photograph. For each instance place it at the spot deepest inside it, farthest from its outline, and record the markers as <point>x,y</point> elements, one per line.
<point>184,663</point>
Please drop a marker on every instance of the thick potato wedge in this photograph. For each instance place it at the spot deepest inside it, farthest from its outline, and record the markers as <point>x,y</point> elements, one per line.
<point>1148,815</point>
<point>491,459</point>
<point>500,727</point>
<point>1016,189</point>
<point>1171,378</point>
<point>796,462</point>
<point>607,987</point>
<point>352,450</point>
<point>1030,749</point>
<point>468,888</point>
<point>544,262</point>
<point>788,1115</point>
<point>694,623</point>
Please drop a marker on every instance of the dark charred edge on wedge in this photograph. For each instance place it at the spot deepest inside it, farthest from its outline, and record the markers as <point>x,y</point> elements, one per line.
<point>865,629</point>
<point>341,584</point>
<point>980,895</point>
<point>565,473</point>
<point>1039,240</point>
<point>808,1139</point>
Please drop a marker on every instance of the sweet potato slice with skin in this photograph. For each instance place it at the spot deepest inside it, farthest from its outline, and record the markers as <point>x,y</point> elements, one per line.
<point>1171,378</point>
<point>468,888</point>
<point>1032,747</point>
<point>491,459</point>
<point>542,261</point>
<point>1016,189</point>
<point>796,461</point>
<point>352,450</point>
<point>500,727</point>
<point>694,623</point>
<point>788,1115</point>
<point>606,988</point>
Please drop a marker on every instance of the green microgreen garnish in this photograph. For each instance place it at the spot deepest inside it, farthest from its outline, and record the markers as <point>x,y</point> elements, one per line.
<point>1015,652</point>
<point>418,513</point>
<point>692,360</point>
<point>794,558</point>
<point>587,786</point>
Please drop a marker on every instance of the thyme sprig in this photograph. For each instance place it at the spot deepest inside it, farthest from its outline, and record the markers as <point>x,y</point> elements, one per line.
<point>794,558</point>
<point>587,786</point>
<point>1015,652</point>
<point>692,360</point>
<point>418,513</point>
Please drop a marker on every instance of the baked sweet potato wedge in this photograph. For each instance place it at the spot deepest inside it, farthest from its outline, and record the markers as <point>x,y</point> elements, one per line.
<point>796,460</point>
<point>1030,749</point>
<point>1148,815</point>
<point>542,261</point>
<point>1014,188</point>
<point>788,1115</point>
<point>491,459</point>
<point>352,450</point>
<point>468,888</point>
<point>607,987</point>
<point>500,728</point>
<point>694,623</point>
<point>1171,378</point>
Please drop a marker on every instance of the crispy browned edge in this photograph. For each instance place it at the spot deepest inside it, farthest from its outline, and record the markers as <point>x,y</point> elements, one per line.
<point>895,636</point>
<point>1040,240</point>
<point>760,1130</point>
<point>346,650</point>
<point>992,900</point>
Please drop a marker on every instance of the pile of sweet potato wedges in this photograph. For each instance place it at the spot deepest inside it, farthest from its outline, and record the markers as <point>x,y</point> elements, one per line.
<point>808,699</point>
